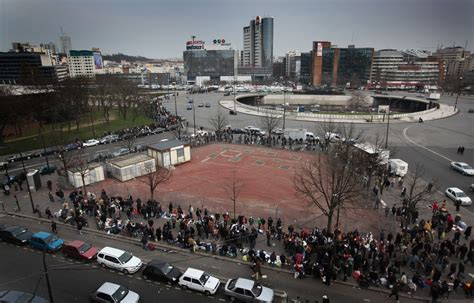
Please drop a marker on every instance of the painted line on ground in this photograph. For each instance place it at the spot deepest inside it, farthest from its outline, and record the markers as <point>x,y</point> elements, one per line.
<point>424,147</point>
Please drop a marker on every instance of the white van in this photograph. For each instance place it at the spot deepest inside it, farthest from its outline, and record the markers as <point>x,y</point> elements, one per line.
<point>199,280</point>
<point>119,259</point>
<point>398,167</point>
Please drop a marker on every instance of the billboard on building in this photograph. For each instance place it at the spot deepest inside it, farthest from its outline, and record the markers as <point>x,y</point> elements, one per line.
<point>194,44</point>
<point>98,60</point>
<point>319,50</point>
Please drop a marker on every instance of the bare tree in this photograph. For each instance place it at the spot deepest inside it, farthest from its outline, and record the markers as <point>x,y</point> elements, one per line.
<point>80,165</point>
<point>233,189</point>
<point>128,141</point>
<point>219,122</point>
<point>357,101</point>
<point>155,176</point>
<point>417,190</point>
<point>327,131</point>
<point>330,180</point>
<point>269,122</point>
<point>103,95</point>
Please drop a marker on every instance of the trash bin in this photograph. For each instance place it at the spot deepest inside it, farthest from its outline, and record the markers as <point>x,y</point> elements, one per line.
<point>34,179</point>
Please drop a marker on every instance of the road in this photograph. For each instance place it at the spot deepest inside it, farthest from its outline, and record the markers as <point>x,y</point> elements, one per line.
<point>432,144</point>
<point>23,262</point>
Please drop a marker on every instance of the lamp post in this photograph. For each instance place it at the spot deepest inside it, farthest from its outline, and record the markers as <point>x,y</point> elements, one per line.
<point>233,92</point>
<point>284,106</point>
<point>194,117</point>
<point>44,151</point>
<point>27,183</point>
<point>459,92</point>
<point>388,122</point>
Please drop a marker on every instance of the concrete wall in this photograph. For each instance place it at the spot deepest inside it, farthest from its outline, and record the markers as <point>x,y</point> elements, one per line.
<point>308,99</point>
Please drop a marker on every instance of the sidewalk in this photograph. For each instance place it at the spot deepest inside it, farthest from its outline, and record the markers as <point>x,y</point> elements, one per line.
<point>389,197</point>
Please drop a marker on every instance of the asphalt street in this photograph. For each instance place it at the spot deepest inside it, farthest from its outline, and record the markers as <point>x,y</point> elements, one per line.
<point>25,262</point>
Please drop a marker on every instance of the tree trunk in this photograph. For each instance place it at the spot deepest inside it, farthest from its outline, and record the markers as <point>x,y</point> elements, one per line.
<point>84,192</point>
<point>330,215</point>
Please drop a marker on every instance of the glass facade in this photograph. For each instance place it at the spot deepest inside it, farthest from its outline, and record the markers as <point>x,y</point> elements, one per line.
<point>267,42</point>
<point>212,63</point>
<point>306,66</point>
<point>327,66</point>
<point>354,65</point>
<point>25,68</point>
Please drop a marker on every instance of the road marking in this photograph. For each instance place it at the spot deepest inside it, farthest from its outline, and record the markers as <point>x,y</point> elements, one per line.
<point>421,146</point>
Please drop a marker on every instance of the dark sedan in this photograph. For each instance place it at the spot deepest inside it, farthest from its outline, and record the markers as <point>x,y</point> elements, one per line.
<point>158,270</point>
<point>15,234</point>
<point>239,131</point>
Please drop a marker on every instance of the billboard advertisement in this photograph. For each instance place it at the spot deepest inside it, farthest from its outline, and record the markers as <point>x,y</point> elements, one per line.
<point>98,60</point>
<point>319,51</point>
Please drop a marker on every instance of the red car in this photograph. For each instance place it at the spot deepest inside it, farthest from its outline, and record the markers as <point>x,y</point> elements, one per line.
<point>80,250</point>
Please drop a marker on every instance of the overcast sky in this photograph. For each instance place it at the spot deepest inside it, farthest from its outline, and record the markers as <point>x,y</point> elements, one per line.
<point>160,28</point>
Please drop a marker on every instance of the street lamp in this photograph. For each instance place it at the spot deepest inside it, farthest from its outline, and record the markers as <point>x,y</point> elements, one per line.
<point>459,92</point>
<point>233,92</point>
<point>194,116</point>
<point>284,105</point>
<point>27,182</point>
<point>388,122</point>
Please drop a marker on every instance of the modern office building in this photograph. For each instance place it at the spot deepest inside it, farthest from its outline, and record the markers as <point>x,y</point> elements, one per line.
<point>84,63</point>
<point>29,68</point>
<point>305,70</point>
<point>65,41</point>
<point>385,60</point>
<point>257,51</point>
<point>334,66</point>
<point>412,75</point>
<point>209,63</point>
<point>279,69</point>
<point>293,65</point>
<point>457,61</point>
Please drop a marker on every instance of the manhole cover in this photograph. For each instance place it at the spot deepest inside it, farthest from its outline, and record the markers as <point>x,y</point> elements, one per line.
<point>277,160</point>
<point>285,167</point>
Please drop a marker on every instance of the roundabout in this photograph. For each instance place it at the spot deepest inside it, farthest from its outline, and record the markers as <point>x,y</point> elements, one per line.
<point>408,108</point>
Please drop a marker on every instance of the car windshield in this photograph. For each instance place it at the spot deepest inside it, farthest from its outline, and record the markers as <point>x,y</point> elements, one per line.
<point>18,231</point>
<point>50,239</point>
<point>125,257</point>
<point>204,278</point>
<point>120,293</point>
<point>166,268</point>
<point>84,247</point>
<point>256,289</point>
<point>232,283</point>
<point>461,195</point>
<point>466,166</point>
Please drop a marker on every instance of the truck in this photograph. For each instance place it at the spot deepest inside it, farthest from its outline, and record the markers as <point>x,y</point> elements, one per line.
<point>372,153</point>
<point>397,167</point>
<point>298,133</point>
<point>434,96</point>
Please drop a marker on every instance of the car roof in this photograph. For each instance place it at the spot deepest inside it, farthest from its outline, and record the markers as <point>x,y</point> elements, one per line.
<point>244,283</point>
<point>111,251</point>
<point>460,163</point>
<point>75,243</point>
<point>108,288</point>
<point>156,262</point>
<point>455,189</point>
<point>11,227</point>
<point>41,235</point>
<point>193,273</point>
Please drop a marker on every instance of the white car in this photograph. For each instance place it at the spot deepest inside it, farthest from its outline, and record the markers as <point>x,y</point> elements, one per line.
<point>456,194</point>
<point>199,280</point>
<point>91,142</point>
<point>119,259</point>
<point>110,292</point>
<point>463,168</point>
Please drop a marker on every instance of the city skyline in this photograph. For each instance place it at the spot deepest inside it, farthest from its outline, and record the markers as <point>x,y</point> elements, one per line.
<point>160,29</point>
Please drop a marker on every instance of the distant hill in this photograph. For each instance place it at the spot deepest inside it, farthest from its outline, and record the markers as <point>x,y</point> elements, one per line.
<point>119,57</point>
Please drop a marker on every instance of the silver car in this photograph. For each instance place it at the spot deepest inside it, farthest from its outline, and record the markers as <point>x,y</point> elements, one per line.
<point>463,168</point>
<point>110,292</point>
<point>248,291</point>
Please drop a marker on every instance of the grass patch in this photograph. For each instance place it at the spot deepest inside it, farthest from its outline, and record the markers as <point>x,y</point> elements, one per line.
<point>31,141</point>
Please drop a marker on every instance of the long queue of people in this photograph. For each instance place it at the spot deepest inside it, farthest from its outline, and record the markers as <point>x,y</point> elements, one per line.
<point>431,253</point>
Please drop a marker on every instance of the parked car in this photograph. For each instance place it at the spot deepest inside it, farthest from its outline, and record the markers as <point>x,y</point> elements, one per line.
<point>80,250</point>
<point>158,270</point>
<point>119,260</point>
<point>471,110</point>
<point>208,104</point>
<point>277,131</point>
<point>47,170</point>
<point>456,195</point>
<point>15,234</point>
<point>91,142</point>
<point>46,241</point>
<point>120,152</point>
<point>189,107</point>
<point>463,168</point>
<point>13,296</point>
<point>109,139</point>
<point>72,146</point>
<point>199,280</point>
<point>201,105</point>
<point>239,131</point>
<point>114,293</point>
<point>190,100</point>
<point>247,291</point>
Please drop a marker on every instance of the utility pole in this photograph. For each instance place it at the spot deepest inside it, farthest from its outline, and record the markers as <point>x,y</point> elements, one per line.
<point>388,122</point>
<point>284,107</point>
<point>459,92</point>
<point>194,119</point>
<point>234,92</point>
<point>44,151</point>
<point>48,284</point>
<point>27,183</point>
